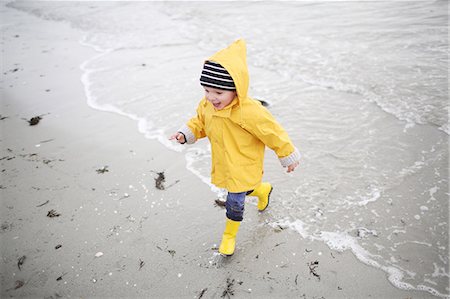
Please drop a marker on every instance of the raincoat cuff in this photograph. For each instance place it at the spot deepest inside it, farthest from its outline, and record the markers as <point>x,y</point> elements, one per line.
<point>190,137</point>
<point>292,158</point>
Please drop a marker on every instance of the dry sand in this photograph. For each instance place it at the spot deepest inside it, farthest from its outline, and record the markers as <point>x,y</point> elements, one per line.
<point>113,234</point>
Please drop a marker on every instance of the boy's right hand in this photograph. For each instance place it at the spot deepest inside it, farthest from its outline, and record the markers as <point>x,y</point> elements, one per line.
<point>178,136</point>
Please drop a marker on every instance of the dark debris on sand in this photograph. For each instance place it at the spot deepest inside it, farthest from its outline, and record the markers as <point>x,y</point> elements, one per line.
<point>229,289</point>
<point>160,180</point>
<point>52,213</point>
<point>202,292</point>
<point>20,262</point>
<point>61,277</point>
<point>141,264</point>
<point>19,284</point>
<point>312,269</point>
<point>6,226</point>
<point>34,120</point>
<point>43,204</point>
<point>102,170</point>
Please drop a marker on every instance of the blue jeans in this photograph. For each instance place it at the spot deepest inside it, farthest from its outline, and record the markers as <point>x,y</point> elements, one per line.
<point>235,206</point>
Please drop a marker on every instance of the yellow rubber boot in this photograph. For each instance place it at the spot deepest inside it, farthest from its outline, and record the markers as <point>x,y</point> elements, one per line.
<point>229,237</point>
<point>263,192</point>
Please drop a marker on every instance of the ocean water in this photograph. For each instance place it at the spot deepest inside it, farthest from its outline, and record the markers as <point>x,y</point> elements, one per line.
<point>361,87</point>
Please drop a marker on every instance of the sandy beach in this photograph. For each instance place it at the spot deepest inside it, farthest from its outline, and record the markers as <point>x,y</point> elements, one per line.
<point>82,216</point>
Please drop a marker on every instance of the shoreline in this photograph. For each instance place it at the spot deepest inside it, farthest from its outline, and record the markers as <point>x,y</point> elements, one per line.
<point>116,234</point>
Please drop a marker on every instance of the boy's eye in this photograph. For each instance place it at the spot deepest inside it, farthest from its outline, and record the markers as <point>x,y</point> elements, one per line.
<point>219,93</point>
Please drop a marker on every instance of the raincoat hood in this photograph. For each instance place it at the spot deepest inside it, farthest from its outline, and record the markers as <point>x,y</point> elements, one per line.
<point>234,60</point>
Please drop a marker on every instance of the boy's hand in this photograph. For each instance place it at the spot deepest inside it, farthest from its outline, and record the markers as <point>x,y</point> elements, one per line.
<point>292,166</point>
<point>179,137</point>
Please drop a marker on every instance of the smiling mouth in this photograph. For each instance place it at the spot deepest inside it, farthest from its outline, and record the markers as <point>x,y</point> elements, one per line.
<point>216,104</point>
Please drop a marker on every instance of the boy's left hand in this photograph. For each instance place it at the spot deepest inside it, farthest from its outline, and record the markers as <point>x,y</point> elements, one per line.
<point>292,166</point>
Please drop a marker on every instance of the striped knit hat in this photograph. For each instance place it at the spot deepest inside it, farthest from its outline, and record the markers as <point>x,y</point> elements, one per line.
<point>216,76</point>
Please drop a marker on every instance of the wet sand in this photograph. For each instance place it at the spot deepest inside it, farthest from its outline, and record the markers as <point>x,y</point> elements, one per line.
<point>82,215</point>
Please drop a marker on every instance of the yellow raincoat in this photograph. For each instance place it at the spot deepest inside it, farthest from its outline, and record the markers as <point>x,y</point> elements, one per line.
<point>239,132</point>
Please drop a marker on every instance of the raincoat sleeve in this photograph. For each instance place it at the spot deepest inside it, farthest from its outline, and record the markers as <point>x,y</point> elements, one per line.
<point>274,136</point>
<point>195,127</point>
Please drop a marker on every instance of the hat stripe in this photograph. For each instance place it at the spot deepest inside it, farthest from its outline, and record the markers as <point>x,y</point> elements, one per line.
<point>213,64</point>
<point>215,68</point>
<point>225,83</point>
<point>215,78</point>
<point>217,85</point>
<point>225,75</point>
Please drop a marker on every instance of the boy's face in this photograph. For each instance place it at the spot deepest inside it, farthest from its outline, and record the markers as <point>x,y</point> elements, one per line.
<point>218,97</point>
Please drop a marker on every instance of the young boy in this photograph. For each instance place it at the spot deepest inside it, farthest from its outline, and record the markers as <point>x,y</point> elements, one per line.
<point>238,128</point>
